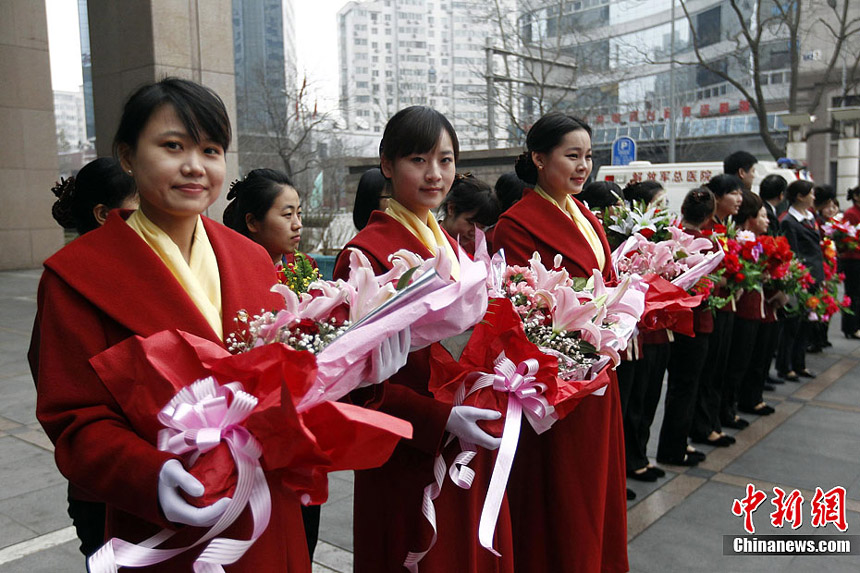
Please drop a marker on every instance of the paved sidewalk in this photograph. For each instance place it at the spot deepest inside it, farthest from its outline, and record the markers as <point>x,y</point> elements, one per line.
<point>675,524</point>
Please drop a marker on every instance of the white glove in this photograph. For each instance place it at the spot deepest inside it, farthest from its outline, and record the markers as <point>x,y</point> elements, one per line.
<point>175,508</point>
<point>463,423</point>
<point>390,356</point>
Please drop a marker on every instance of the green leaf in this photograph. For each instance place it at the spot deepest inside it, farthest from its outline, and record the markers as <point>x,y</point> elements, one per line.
<point>403,282</point>
<point>579,283</point>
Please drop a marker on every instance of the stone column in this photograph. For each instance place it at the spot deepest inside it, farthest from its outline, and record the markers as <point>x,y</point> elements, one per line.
<point>848,160</point>
<point>797,124</point>
<point>28,142</point>
<point>142,41</point>
<point>848,147</point>
<point>795,149</point>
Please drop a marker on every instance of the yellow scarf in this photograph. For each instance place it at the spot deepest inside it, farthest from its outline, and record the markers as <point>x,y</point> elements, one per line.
<point>199,277</point>
<point>582,223</point>
<point>429,232</point>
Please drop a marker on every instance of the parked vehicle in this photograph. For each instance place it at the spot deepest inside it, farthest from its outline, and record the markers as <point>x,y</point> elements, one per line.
<point>679,178</point>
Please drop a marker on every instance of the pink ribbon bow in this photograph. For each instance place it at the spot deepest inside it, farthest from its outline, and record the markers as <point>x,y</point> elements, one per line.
<point>525,396</point>
<point>197,419</point>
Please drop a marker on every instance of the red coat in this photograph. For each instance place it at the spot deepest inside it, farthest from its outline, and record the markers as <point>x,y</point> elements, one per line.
<point>102,288</point>
<point>567,486</point>
<point>387,521</point>
<point>852,216</point>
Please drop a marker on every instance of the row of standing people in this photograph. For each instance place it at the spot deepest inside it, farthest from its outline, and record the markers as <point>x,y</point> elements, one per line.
<point>165,266</point>
<point>724,369</point>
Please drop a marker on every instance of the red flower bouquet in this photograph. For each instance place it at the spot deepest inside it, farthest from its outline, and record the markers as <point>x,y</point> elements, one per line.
<point>232,420</point>
<point>843,234</point>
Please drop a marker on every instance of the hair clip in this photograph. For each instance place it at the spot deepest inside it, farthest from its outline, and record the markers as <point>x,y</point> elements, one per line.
<point>231,192</point>
<point>64,187</point>
<point>461,176</point>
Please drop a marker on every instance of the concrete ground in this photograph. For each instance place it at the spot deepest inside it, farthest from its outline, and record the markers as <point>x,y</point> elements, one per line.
<point>675,524</point>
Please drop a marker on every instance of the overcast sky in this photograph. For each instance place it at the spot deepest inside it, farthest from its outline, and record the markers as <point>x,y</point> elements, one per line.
<point>316,42</point>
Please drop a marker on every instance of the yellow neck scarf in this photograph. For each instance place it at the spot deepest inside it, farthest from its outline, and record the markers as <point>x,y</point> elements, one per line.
<point>428,232</point>
<point>584,225</point>
<point>199,277</point>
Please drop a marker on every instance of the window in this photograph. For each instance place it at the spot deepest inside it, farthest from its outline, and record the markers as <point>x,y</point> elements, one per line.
<point>705,77</point>
<point>708,26</point>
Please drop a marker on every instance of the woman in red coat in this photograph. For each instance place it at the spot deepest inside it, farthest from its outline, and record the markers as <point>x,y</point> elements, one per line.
<point>267,208</point>
<point>418,153</point>
<point>849,263</point>
<point>567,486</point>
<point>161,267</point>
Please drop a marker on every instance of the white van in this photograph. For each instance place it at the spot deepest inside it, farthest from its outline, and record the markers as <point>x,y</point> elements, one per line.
<point>679,178</point>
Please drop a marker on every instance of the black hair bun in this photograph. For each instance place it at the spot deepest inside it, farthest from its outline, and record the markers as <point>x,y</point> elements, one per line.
<point>64,191</point>
<point>526,168</point>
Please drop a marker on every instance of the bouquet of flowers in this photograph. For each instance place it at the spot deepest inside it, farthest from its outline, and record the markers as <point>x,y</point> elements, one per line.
<point>821,305</point>
<point>843,234</point>
<point>776,257</point>
<point>540,349</point>
<point>742,270</point>
<point>651,222</point>
<point>297,275</point>
<point>671,268</point>
<point>576,325</point>
<point>233,421</point>
<point>795,282</point>
<point>342,322</point>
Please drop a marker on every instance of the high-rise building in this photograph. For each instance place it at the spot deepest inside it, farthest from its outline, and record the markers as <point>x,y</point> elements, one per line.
<point>397,53</point>
<point>86,68</point>
<point>265,66</point>
<point>626,86</point>
<point>71,120</point>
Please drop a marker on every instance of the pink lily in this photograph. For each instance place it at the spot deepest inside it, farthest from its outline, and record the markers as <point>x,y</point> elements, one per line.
<point>549,279</point>
<point>366,293</point>
<point>327,296</point>
<point>570,314</point>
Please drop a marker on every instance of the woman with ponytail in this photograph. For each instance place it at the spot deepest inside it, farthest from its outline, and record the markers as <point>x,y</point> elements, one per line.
<point>713,410</point>
<point>266,208</point>
<point>83,203</point>
<point>687,354</point>
<point>567,483</point>
<point>84,200</point>
<point>418,156</point>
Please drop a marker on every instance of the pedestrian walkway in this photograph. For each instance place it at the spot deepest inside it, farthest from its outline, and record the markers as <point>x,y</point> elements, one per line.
<point>675,524</point>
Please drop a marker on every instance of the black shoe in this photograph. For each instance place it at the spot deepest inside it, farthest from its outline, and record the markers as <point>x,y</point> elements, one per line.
<point>852,335</point>
<point>688,461</point>
<point>696,455</point>
<point>760,411</point>
<point>826,344</point>
<point>806,373</point>
<point>772,380</point>
<point>768,387</point>
<point>647,475</point>
<point>736,424</point>
<point>721,442</point>
<point>630,494</point>
<point>790,376</point>
<point>814,349</point>
<point>657,471</point>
